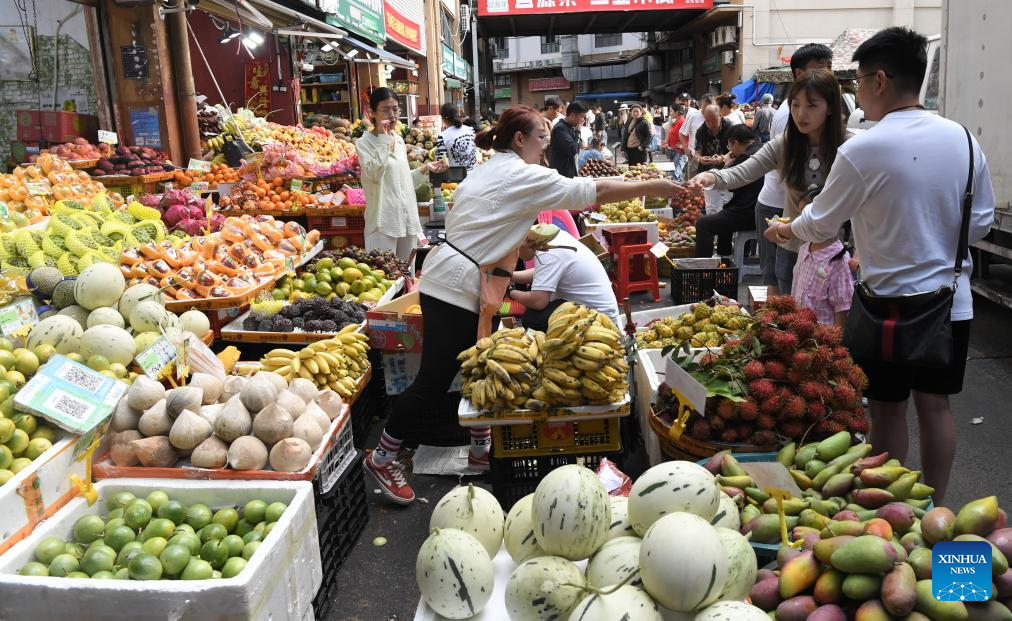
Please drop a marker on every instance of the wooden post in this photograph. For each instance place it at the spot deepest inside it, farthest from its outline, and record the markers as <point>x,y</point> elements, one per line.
<point>185,91</point>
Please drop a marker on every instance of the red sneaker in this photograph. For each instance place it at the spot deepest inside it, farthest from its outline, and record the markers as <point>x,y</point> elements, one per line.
<point>476,463</point>
<point>390,477</point>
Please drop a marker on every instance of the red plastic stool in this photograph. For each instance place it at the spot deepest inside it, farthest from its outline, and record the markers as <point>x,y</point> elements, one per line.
<point>635,270</point>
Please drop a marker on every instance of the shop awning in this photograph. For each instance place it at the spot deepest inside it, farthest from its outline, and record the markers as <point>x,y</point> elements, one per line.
<point>614,95</point>
<point>750,92</point>
<point>380,54</point>
<point>516,18</point>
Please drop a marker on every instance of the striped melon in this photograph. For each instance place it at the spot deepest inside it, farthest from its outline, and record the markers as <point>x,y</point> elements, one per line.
<point>541,589</point>
<point>620,526</point>
<point>625,604</point>
<point>521,544</point>
<point>105,316</point>
<point>613,562</point>
<point>675,615</point>
<point>732,611</point>
<point>673,486</point>
<point>571,512</point>
<point>473,510</point>
<point>454,573</point>
<point>742,566</point>
<point>60,331</point>
<point>137,294</point>
<point>147,316</point>
<point>683,564</point>
<point>114,343</point>
<point>100,284</point>
<point>727,513</point>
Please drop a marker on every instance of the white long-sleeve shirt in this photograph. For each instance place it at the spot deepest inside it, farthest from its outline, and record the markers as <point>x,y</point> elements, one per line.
<point>774,194</point>
<point>901,185</point>
<point>389,185</point>
<point>492,210</point>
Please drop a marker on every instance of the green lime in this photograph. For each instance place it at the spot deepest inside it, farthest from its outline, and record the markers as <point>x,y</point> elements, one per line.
<point>154,545</point>
<point>7,344</point>
<point>44,352</point>
<point>174,559</point>
<point>98,559</point>
<point>324,288</point>
<point>109,374</point>
<point>26,423</point>
<point>185,528</point>
<point>26,363</point>
<point>118,370</point>
<point>323,277</point>
<point>121,499</point>
<point>74,549</point>
<point>88,528</point>
<point>103,575</point>
<point>216,575</point>
<point>116,514</point>
<point>97,543</point>
<point>227,517</point>
<point>17,378</point>
<point>137,514</point>
<point>18,442</point>
<point>37,447</point>
<point>250,549</point>
<point>122,574</point>
<point>214,552</point>
<point>113,523</point>
<point>235,544</point>
<point>325,263</point>
<point>145,566</point>
<point>156,499</point>
<point>173,510</point>
<point>20,464</point>
<point>267,529</point>
<point>298,284</point>
<point>242,527</point>
<point>63,564</point>
<point>6,457</point>
<point>278,294</point>
<point>159,527</point>
<point>97,362</point>
<point>34,569</point>
<point>233,567</point>
<point>253,535</point>
<point>44,432</point>
<point>254,511</point>
<point>5,475</point>
<point>188,540</point>
<point>197,569</point>
<point>7,359</point>
<point>198,515</point>
<point>127,552</point>
<point>7,428</point>
<point>274,511</point>
<point>213,531</point>
<point>78,574</point>
<point>118,536</point>
<point>48,549</point>
<point>7,406</point>
<point>76,357</point>
<point>3,392</point>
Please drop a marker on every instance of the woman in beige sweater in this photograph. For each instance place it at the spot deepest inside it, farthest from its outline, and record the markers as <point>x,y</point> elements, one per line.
<point>803,156</point>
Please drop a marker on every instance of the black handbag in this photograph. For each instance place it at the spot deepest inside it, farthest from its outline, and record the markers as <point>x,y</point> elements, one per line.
<point>915,328</point>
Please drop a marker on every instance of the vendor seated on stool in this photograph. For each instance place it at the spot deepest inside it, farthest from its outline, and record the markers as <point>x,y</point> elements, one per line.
<point>738,213</point>
<point>564,270</point>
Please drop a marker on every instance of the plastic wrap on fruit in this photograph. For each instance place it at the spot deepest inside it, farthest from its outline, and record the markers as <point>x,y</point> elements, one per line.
<point>236,251</point>
<point>185,294</point>
<point>265,270</point>
<point>231,231</point>
<point>159,268</point>
<point>219,292</point>
<point>251,261</point>
<point>293,228</point>
<point>274,234</point>
<point>239,283</point>
<point>150,251</point>
<point>130,256</point>
<point>126,270</point>
<point>288,247</point>
<point>228,266</point>
<point>185,278</point>
<point>139,270</point>
<point>261,242</point>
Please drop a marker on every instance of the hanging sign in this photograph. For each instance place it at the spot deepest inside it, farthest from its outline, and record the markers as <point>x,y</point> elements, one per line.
<point>401,29</point>
<point>364,17</point>
<point>535,7</point>
<point>257,86</point>
<point>107,137</point>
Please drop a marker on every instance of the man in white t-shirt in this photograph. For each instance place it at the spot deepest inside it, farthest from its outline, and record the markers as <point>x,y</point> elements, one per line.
<point>568,271</point>
<point>693,121</point>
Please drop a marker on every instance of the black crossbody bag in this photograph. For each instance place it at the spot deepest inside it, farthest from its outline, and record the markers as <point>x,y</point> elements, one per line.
<point>914,328</point>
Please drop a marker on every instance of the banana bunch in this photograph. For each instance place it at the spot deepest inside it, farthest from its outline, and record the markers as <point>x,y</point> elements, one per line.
<point>334,363</point>
<point>584,361</point>
<point>499,371</point>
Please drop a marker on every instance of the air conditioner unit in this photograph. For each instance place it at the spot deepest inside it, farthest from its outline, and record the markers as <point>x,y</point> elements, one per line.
<point>729,34</point>
<point>727,58</point>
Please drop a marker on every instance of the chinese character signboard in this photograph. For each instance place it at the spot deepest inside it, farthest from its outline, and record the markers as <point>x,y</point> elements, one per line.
<point>460,67</point>
<point>533,7</point>
<point>449,67</point>
<point>401,29</point>
<point>364,17</point>
<point>547,84</point>
<point>258,86</point>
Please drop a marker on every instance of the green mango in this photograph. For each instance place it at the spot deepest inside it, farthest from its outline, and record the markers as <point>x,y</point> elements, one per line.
<point>862,587</point>
<point>977,517</point>
<point>786,454</point>
<point>901,487</point>
<point>730,467</point>
<point>829,586</point>
<point>920,491</point>
<point>936,610</point>
<point>749,512</point>
<point>740,481</point>
<point>988,611</point>
<point>805,455</point>
<point>833,446</point>
<point>864,554</point>
<point>899,590</point>
<point>756,494</point>
<point>920,560</point>
<point>872,610</point>
<point>798,575</point>
<point>814,467</point>
<point>825,474</point>
<point>824,548</point>
<point>802,479</point>
<point>999,564</point>
<point>838,484</point>
<point>813,519</point>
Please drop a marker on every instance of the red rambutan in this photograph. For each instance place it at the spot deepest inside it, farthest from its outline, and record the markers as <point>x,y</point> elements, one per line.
<point>809,390</point>
<point>753,370</point>
<point>816,410</point>
<point>793,429</point>
<point>821,428</point>
<point>785,342</point>
<point>835,426</point>
<point>729,435</point>
<point>766,335</point>
<point>782,304</point>
<point>725,409</point>
<point>761,389</point>
<point>776,371</point>
<point>763,438</point>
<point>808,315</point>
<point>802,361</point>
<point>828,336</point>
<point>772,405</point>
<point>708,360</point>
<point>822,357</point>
<point>748,410</point>
<point>840,352</point>
<point>794,407</point>
<point>795,377</point>
<point>799,324</point>
<point>700,430</point>
<point>765,421</point>
<point>857,423</point>
<point>844,395</point>
<point>841,367</point>
<point>717,424</point>
<point>825,392</point>
<point>744,431</point>
<point>857,378</point>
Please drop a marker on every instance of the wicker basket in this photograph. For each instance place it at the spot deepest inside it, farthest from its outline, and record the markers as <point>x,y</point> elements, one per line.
<point>691,449</point>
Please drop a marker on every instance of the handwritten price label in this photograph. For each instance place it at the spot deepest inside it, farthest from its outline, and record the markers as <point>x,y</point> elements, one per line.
<point>659,250</point>
<point>107,137</point>
<point>156,358</point>
<point>198,165</point>
<point>296,185</point>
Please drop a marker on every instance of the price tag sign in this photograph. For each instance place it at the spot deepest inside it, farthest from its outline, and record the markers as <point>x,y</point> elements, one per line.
<point>225,189</point>
<point>296,185</point>
<point>659,250</point>
<point>182,359</point>
<point>290,265</point>
<point>70,395</point>
<point>4,211</point>
<point>155,359</point>
<point>18,315</point>
<point>597,217</point>
<point>200,186</point>
<point>39,188</point>
<point>107,137</point>
<point>338,223</point>
<point>198,165</point>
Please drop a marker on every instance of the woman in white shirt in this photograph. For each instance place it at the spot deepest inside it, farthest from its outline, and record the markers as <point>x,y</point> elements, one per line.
<point>391,212</point>
<point>729,110</point>
<point>456,141</point>
<point>493,211</point>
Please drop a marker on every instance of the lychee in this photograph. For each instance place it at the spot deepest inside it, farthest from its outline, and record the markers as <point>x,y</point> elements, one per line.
<point>753,370</point>
<point>802,361</point>
<point>725,409</point>
<point>729,435</point>
<point>765,421</point>
<point>700,430</point>
<point>776,371</point>
<point>794,407</point>
<point>763,438</point>
<point>761,389</point>
<point>748,410</point>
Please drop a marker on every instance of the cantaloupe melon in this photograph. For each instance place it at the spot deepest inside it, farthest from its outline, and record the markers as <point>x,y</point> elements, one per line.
<point>100,284</point>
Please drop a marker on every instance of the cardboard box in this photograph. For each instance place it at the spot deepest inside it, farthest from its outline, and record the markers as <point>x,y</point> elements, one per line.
<point>393,329</point>
<point>66,126</point>
<point>29,125</point>
<point>756,297</point>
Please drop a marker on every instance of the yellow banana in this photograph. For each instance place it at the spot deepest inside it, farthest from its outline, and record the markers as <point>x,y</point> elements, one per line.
<point>484,343</point>
<point>277,361</point>
<point>311,366</point>
<point>322,364</point>
<point>552,387</point>
<point>563,352</point>
<point>572,371</point>
<point>349,328</point>
<point>467,353</point>
<point>507,353</point>
<point>318,346</point>
<point>280,353</point>
<point>599,377</point>
<point>304,373</point>
<point>586,365</point>
<point>306,353</point>
<point>296,364</point>
<point>331,359</point>
<point>593,353</point>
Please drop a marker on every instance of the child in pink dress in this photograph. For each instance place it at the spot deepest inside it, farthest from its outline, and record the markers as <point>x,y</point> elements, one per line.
<point>823,280</point>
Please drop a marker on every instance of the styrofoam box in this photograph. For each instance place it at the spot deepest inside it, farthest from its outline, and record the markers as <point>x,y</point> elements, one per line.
<point>647,376</point>
<point>50,474</point>
<point>278,583</point>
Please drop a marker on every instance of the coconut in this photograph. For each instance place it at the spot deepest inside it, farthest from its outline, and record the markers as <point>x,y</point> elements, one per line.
<point>210,384</point>
<point>155,421</point>
<point>210,412</point>
<point>290,455</point>
<point>233,384</point>
<point>189,430</point>
<point>155,452</point>
<point>273,424</point>
<point>304,388</point>
<point>211,453</point>
<point>247,453</point>
<point>257,394</point>
<point>124,417</point>
<point>273,379</point>
<point>292,403</point>
<point>330,402</point>
<point>183,398</point>
<point>308,429</point>
<point>314,412</point>
<point>121,451</point>
<point>144,393</point>
<point>233,421</point>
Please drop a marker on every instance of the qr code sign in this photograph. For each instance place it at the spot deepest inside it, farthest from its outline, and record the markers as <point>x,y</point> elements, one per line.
<point>82,378</point>
<point>70,406</point>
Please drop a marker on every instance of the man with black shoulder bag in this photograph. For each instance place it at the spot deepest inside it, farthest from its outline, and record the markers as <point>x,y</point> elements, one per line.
<point>914,212</point>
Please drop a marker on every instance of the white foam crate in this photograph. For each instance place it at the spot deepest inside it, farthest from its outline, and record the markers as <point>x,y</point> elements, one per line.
<point>278,583</point>
<point>40,489</point>
<point>648,374</point>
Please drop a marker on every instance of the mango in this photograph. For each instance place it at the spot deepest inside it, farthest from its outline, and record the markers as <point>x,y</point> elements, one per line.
<point>899,590</point>
<point>872,610</point>
<point>988,611</point>
<point>999,563</point>
<point>916,616</point>
<point>766,528</point>
<point>829,586</point>
<point>749,513</point>
<point>766,593</point>
<point>862,449</point>
<point>786,454</point>
<point>936,610</point>
<point>802,479</point>
<point>869,462</point>
<point>801,532</point>
<point>920,491</point>
<point>920,560</point>
<point>785,554</point>
<point>894,463</point>
<point>824,549</point>
<point>730,467</point>
<point>806,454</point>
<point>882,476</point>
<point>977,517</point>
<point>833,446</point>
<point>1003,539</point>
<point>862,587</point>
<point>825,474</point>
<point>872,498</point>
<point>814,467</point>
<point>865,554</point>
<point>756,494</point>
<point>911,540</point>
<point>714,463</point>
<point>901,552</point>
<point>828,613</point>
<point>829,506</point>
<point>838,485</point>
<point>736,494</point>
<point>813,519</point>
<point>792,506</point>
<point>899,515</point>
<point>879,528</point>
<point>798,575</point>
<point>901,487</point>
<point>1003,585</point>
<point>938,525</point>
<point>796,609</point>
<point>919,504</point>
<point>846,516</point>
<point>741,482</point>
<point>853,529</point>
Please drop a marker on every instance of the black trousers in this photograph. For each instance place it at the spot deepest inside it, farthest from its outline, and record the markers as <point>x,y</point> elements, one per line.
<point>447,331</point>
<point>538,319</point>
<point>721,225</point>
<point>635,156</point>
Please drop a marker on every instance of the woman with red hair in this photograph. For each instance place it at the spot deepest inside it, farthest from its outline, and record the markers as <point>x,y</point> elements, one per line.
<point>465,279</point>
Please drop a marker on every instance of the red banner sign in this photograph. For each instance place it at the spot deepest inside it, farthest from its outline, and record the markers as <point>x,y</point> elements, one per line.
<point>258,86</point>
<point>547,84</point>
<point>402,30</point>
<point>533,7</point>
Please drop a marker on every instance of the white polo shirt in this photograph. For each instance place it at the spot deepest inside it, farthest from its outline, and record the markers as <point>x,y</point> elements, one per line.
<point>575,276</point>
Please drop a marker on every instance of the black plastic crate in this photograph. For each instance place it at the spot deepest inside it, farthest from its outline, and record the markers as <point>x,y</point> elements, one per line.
<point>515,477</point>
<point>341,516</point>
<point>689,286</point>
<point>371,403</point>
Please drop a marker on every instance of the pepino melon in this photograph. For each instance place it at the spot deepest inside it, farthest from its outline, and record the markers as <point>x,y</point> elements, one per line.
<point>100,284</point>
<point>683,564</point>
<point>571,512</point>
<point>147,316</point>
<point>105,316</point>
<point>137,294</point>
<point>670,487</point>
<point>196,322</point>
<point>625,604</point>
<point>114,343</point>
<point>620,525</point>
<point>59,331</point>
<point>742,566</point>
<point>473,510</point>
<point>543,589</point>
<point>613,562</point>
<point>732,611</point>
<point>727,513</point>
<point>454,573</point>
<point>518,533</point>
<point>144,340</point>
